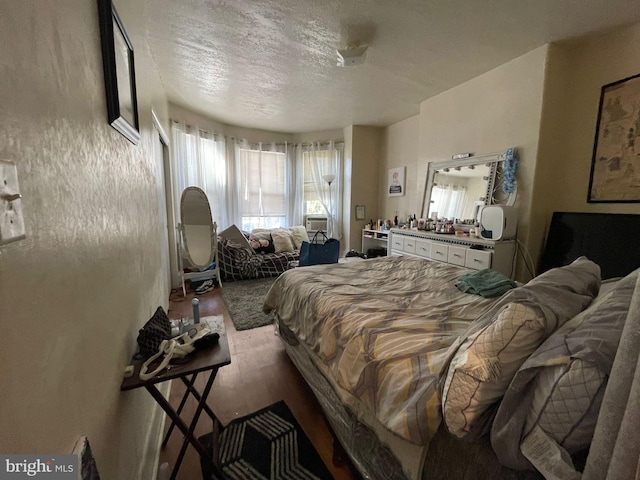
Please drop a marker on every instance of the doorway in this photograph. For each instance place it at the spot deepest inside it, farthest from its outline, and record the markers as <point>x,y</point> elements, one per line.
<point>164,197</point>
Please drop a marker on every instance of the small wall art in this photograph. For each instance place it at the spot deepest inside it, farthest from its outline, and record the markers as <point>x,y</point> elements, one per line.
<point>396,186</point>
<point>615,166</point>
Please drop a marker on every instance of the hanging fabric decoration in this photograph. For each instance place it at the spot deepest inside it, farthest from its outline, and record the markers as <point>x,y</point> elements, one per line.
<point>510,168</point>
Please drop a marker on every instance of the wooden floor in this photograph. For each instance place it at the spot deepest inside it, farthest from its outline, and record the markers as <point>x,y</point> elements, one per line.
<point>260,374</point>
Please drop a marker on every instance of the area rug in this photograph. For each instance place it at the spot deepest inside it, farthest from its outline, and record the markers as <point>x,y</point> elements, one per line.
<point>243,300</point>
<point>268,444</point>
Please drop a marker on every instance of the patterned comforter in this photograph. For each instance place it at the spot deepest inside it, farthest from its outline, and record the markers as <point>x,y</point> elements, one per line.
<point>381,328</point>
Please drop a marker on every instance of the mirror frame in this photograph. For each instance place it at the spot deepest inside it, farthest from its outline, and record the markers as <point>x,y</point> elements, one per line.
<point>493,193</point>
<point>212,228</point>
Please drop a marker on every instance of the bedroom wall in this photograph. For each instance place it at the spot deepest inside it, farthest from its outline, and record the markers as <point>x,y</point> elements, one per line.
<point>490,113</point>
<point>577,71</point>
<point>74,293</point>
<point>362,181</point>
<point>179,113</point>
<point>400,147</point>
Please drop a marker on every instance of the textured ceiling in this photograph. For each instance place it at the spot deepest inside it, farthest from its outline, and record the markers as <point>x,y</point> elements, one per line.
<point>272,64</point>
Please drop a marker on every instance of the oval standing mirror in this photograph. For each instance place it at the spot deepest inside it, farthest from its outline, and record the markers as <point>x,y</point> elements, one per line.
<point>197,228</point>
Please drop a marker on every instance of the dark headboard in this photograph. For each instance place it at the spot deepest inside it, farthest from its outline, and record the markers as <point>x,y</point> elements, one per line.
<point>612,240</point>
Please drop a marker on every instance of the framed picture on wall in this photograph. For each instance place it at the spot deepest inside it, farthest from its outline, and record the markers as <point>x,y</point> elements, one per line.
<point>119,73</point>
<point>396,182</point>
<point>615,166</point>
<point>360,212</point>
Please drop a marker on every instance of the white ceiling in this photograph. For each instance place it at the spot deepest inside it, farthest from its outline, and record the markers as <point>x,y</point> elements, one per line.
<point>272,64</point>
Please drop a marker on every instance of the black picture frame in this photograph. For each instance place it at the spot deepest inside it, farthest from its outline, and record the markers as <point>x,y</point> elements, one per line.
<point>615,165</point>
<point>119,73</point>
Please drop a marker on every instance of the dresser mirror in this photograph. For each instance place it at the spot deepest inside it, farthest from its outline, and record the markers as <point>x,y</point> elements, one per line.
<point>458,189</point>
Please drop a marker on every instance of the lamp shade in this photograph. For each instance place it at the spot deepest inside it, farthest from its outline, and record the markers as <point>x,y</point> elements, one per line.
<point>329,178</point>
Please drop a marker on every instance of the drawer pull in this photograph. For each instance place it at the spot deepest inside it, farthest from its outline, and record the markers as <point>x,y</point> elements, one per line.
<point>457,255</point>
<point>476,260</point>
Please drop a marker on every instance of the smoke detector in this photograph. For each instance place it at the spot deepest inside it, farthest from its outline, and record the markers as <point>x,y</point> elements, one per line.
<point>351,56</point>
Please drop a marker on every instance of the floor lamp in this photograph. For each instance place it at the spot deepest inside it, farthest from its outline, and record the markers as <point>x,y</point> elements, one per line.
<point>329,178</point>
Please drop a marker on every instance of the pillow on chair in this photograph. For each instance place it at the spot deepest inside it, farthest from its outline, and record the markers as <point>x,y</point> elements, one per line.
<point>299,234</point>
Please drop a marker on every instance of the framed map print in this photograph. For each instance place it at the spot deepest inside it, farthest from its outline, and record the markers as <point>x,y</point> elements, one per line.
<point>615,166</point>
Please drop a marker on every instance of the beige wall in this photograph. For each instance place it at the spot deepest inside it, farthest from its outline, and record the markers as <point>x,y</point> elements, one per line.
<point>545,103</point>
<point>177,112</point>
<point>253,135</point>
<point>490,113</point>
<point>487,114</point>
<point>75,292</point>
<point>361,182</point>
<point>577,71</point>
<point>400,144</point>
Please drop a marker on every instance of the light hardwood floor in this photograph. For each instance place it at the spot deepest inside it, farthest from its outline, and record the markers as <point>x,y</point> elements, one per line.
<point>260,374</point>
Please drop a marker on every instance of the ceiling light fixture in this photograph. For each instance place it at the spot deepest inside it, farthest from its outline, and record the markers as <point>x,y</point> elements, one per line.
<point>351,56</point>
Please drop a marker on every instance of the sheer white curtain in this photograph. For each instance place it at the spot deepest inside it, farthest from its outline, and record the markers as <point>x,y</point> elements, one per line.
<point>294,186</point>
<point>199,159</point>
<point>256,184</point>
<point>326,159</point>
<point>448,200</point>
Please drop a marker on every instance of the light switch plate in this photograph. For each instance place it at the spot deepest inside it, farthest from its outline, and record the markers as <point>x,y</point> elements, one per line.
<point>11,219</point>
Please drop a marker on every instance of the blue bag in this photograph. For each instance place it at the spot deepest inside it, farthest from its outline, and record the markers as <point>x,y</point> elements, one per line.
<point>314,253</point>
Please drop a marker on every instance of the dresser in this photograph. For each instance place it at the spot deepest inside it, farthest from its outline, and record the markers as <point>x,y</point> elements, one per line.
<point>468,252</point>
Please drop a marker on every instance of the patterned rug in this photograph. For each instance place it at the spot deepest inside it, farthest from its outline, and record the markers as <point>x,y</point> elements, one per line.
<point>243,300</point>
<point>267,445</point>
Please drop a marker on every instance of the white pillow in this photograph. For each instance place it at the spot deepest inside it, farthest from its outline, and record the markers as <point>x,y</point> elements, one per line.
<point>299,233</point>
<point>481,371</point>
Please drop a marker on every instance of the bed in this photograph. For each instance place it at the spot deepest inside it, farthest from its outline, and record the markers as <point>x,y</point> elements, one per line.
<point>402,363</point>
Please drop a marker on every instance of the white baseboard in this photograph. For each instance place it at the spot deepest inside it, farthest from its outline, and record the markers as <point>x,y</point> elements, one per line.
<point>148,466</point>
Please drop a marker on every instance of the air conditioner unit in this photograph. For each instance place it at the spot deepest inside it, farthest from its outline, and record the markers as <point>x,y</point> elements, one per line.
<point>313,224</point>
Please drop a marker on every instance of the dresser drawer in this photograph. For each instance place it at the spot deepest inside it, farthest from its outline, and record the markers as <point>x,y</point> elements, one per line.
<point>457,255</point>
<point>409,245</point>
<point>478,259</point>
<point>397,242</point>
<point>423,248</point>
<point>440,252</point>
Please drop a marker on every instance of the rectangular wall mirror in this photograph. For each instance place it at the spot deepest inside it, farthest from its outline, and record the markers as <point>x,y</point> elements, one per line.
<point>458,189</point>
